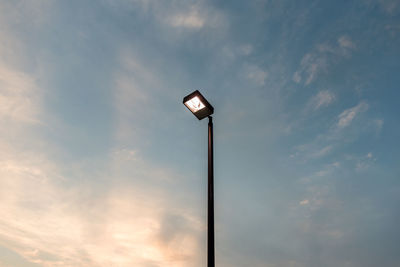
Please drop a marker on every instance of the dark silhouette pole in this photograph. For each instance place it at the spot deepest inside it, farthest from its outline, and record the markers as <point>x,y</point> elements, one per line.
<point>210,217</point>
<point>200,107</point>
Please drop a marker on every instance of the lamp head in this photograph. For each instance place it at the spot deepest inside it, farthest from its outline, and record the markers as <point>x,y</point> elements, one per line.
<point>198,105</point>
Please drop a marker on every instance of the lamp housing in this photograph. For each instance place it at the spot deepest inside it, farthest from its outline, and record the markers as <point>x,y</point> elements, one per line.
<point>198,105</point>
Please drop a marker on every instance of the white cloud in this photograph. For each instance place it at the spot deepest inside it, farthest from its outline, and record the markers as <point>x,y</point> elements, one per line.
<point>132,96</point>
<point>322,152</point>
<point>246,49</point>
<point>361,162</point>
<point>317,197</point>
<point>336,164</point>
<point>378,125</point>
<point>320,59</point>
<point>393,29</point>
<point>322,99</point>
<point>232,52</point>
<point>19,96</point>
<point>188,15</point>
<point>322,173</point>
<point>55,226</point>
<point>345,42</point>
<point>297,77</point>
<point>310,66</point>
<point>304,202</point>
<point>36,12</point>
<point>192,20</point>
<point>327,48</point>
<point>52,218</point>
<point>362,166</point>
<point>347,116</point>
<point>311,151</point>
<point>389,6</point>
<point>255,74</point>
<point>56,220</point>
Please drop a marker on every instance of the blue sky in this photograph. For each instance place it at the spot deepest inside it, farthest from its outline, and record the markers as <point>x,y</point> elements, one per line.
<point>102,165</point>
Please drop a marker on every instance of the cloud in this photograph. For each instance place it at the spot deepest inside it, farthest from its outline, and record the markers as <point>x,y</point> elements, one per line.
<point>363,163</point>
<point>389,6</point>
<point>134,82</point>
<point>191,20</point>
<point>230,53</point>
<point>304,202</point>
<point>75,224</point>
<point>59,217</point>
<point>19,96</point>
<point>36,12</point>
<point>297,77</point>
<point>189,15</point>
<point>179,237</point>
<point>393,29</point>
<point>255,74</point>
<point>346,43</point>
<point>246,49</point>
<point>320,59</point>
<point>313,150</point>
<point>322,99</point>
<point>377,124</point>
<point>27,185</point>
<point>310,65</point>
<point>348,115</point>
<point>322,152</point>
<point>331,141</point>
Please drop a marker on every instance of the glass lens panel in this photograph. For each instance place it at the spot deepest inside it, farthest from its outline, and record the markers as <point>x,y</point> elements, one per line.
<point>194,104</point>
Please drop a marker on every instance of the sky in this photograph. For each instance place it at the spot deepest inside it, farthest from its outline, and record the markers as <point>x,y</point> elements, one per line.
<point>102,165</point>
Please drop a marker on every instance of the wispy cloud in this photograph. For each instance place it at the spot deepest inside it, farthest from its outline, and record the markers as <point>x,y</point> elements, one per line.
<point>192,16</point>
<point>319,60</point>
<point>346,43</point>
<point>19,96</point>
<point>310,66</point>
<point>73,224</point>
<point>323,99</point>
<point>304,202</point>
<point>364,162</point>
<point>389,6</point>
<point>245,49</point>
<point>378,125</point>
<point>322,152</point>
<point>34,11</point>
<point>347,116</point>
<point>328,141</point>
<point>189,15</point>
<point>192,20</point>
<point>313,150</point>
<point>255,74</point>
<point>132,79</point>
<point>53,218</point>
<point>297,77</point>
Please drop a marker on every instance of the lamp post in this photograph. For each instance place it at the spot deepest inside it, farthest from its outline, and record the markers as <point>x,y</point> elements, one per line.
<point>200,107</point>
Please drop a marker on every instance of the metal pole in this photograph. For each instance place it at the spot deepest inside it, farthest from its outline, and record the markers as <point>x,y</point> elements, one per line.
<point>210,234</point>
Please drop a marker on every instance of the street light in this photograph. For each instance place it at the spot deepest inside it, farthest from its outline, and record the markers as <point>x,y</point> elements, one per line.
<point>200,107</point>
